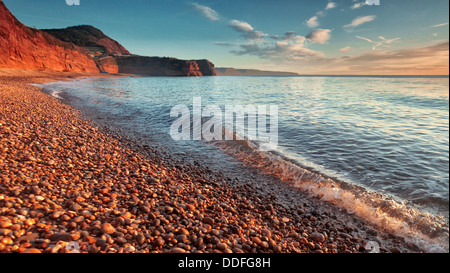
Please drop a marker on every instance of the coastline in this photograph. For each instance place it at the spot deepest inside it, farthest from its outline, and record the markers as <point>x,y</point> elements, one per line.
<point>65,180</point>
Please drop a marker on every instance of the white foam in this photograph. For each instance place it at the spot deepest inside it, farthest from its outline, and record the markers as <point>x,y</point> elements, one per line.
<point>56,94</point>
<point>375,208</point>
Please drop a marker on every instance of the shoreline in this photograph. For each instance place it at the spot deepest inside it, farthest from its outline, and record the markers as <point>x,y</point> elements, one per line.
<point>65,180</point>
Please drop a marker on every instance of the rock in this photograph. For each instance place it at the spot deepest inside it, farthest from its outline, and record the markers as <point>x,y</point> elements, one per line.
<point>29,237</point>
<point>266,232</point>
<point>107,228</point>
<point>395,250</point>
<point>56,214</point>
<point>141,239</point>
<point>76,207</point>
<point>5,223</point>
<point>256,240</point>
<point>32,250</point>
<point>177,250</point>
<point>23,49</point>
<point>181,238</point>
<point>121,240</point>
<point>75,236</point>
<point>208,220</point>
<point>61,237</point>
<point>222,246</point>
<point>130,249</point>
<point>318,237</point>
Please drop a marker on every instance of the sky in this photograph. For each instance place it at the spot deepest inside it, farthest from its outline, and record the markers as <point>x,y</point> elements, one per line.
<point>355,37</point>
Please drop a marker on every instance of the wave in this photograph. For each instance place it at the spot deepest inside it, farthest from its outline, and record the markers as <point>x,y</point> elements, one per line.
<point>426,231</point>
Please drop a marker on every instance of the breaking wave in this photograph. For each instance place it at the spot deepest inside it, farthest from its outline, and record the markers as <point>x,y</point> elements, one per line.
<point>426,231</point>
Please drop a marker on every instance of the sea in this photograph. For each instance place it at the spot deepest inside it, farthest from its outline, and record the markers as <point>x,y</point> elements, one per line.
<point>375,146</point>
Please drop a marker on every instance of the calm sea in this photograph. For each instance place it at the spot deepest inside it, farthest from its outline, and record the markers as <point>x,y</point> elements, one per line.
<point>377,147</point>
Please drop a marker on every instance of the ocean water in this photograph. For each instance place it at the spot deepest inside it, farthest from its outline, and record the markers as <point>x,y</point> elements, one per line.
<point>377,147</point>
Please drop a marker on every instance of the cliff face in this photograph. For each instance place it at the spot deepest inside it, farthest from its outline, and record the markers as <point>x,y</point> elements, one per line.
<point>26,48</point>
<point>107,65</point>
<point>112,57</point>
<point>206,67</point>
<point>88,37</point>
<point>156,66</point>
<point>69,50</point>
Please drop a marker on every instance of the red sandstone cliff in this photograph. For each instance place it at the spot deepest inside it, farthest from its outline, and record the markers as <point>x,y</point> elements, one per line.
<point>90,38</point>
<point>112,57</point>
<point>69,50</point>
<point>26,48</point>
<point>155,66</point>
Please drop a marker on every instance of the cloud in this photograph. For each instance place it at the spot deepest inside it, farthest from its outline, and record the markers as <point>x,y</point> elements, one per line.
<point>330,5</point>
<point>313,21</point>
<point>226,44</point>
<point>381,42</point>
<point>424,60</point>
<point>440,25</point>
<point>280,51</point>
<point>320,36</point>
<point>431,60</point>
<point>284,49</point>
<point>207,12</point>
<point>240,26</point>
<point>345,49</point>
<point>255,35</point>
<point>361,20</point>
<point>290,36</point>
<point>247,30</point>
<point>358,5</point>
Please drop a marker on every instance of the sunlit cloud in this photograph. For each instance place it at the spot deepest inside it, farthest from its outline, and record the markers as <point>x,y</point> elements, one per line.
<point>358,5</point>
<point>320,36</point>
<point>431,60</point>
<point>246,30</point>
<point>441,25</point>
<point>361,20</point>
<point>206,12</point>
<point>381,42</point>
<point>330,5</point>
<point>240,26</point>
<point>345,49</point>
<point>313,21</point>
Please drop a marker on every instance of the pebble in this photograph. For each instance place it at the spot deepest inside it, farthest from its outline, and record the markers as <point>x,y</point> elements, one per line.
<point>318,237</point>
<point>32,250</point>
<point>177,250</point>
<point>107,228</point>
<point>222,246</point>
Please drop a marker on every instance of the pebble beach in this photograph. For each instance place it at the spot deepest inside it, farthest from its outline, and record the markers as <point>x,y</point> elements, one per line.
<point>69,186</point>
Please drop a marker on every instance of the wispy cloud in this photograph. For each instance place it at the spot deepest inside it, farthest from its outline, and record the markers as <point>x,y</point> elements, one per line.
<point>246,30</point>
<point>207,12</point>
<point>361,20</point>
<point>424,60</point>
<point>431,60</point>
<point>440,25</point>
<point>240,26</point>
<point>358,5</point>
<point>314,21</point>
<point>345,49</point>
<point>381,42</point>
